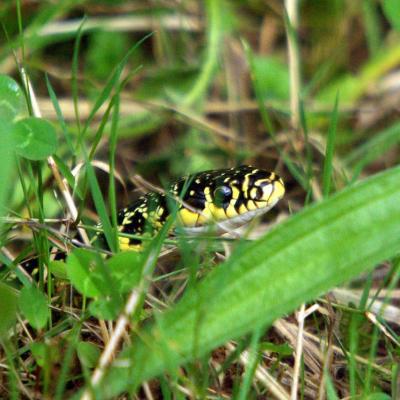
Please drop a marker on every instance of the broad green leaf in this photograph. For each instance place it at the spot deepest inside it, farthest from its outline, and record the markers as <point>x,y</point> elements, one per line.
<point>39,351</point>
<point>8,297</point>
<point>391,9</point>
<point>12,100</point>
<point>6,163</point>
<point>8,307</point>
<point>107,308</point>
<point>317,249</point>
<point>85,270</point>
<point>35,138</point>
<point>58,269</point>
<point>45,353</point>
<point>374,148</point>
<point>126,269</point>
<point>33,304</point>
<point>88,354</point>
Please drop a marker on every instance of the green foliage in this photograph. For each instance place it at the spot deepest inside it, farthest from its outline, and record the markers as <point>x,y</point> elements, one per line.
<point>12,100</point>
<point>85,269</point>
<point>8,304</point>
<point>330,146</point>
<point>374,148</point>
<point>44,353</point>
<point>378,396</point>
<point>282,349</point>
<point>104,281</point>
<point>105,48</point>
<point>88,354</point>
<point>33,305</point>
<point>330,388</point>
<point>35,138</point>
<point>6,162</point>
<point>125,269</point>
<point>273,76</point>
<point>391,9</point>
<point>58,269</point>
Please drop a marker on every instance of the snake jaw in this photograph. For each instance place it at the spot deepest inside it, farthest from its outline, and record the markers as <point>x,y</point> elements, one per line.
<point>277,192</point>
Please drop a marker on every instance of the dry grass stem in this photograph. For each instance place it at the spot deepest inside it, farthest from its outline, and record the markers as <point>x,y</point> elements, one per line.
<point>262,375</point>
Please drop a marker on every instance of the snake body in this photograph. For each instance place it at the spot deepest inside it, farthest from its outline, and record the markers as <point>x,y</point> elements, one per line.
<point>225,198</point>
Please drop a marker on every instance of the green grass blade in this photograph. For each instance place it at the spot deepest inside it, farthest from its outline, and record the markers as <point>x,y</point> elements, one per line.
<point>60,117</point>
<point>100,206</point>
<point>74,81</point>
<point>214,11</point>
<point>374,148</point>
<point>254,359</point>
<point>372,26</point>
<point>112,197</point>
<point>330,388</point>
<point>313,251</point>
<point>330,147</point>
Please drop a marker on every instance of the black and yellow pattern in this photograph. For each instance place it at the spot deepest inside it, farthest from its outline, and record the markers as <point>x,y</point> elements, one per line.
<point>226,198</point>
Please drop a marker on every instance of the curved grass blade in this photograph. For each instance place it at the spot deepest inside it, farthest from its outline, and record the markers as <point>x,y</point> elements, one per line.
<point>315,250</point>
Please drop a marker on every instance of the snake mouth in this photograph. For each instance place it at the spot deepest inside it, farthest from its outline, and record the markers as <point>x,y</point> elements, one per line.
<point>272,192</point>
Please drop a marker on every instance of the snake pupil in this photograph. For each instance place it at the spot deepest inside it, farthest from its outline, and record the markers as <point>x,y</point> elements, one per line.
<point>222,194</point>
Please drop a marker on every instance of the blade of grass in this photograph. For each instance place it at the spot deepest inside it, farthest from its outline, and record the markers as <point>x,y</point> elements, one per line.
<point>329,151</point>
<point>60,117</point>
<point>251,366</point>
<point>309,153</point>
<point>372,354</point>
<point>353,348</point>
<point>394,381</point>
<point>372,26</point>
<point>113,148</point>
<point>100,205</point>
<point>374,148</point>
<point>74,78</point>
<point>330,388</point>
<point>214,30</point>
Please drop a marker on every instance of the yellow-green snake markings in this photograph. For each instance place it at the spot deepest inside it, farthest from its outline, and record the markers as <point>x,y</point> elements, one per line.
<point>228,198</point>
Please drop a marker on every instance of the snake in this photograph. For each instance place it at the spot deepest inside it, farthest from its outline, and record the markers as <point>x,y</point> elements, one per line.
<point>223,198</point>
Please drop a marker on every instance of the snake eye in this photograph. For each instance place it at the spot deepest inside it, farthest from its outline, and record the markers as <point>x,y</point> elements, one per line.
<point>222,194</point>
